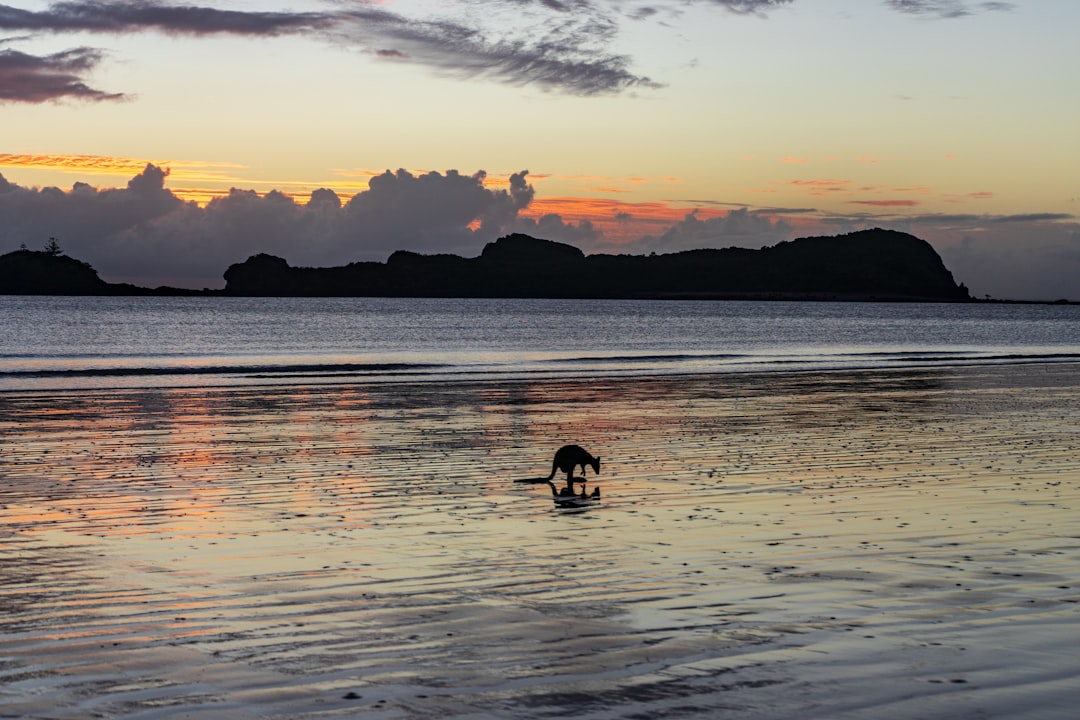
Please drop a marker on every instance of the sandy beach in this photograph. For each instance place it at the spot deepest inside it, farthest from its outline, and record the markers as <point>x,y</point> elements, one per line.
<point>872,544</point>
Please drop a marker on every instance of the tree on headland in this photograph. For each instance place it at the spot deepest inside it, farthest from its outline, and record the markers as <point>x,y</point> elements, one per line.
<point>48,272</point>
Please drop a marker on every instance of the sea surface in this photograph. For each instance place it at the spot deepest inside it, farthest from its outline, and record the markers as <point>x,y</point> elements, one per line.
<point>95,342</point>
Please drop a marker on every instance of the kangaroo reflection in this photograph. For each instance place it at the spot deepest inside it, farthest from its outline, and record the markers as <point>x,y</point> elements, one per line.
<point>567,497</point>
<point>568,493</point>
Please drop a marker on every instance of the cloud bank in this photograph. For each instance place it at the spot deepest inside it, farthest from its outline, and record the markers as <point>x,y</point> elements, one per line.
<point>945,8</point>
<point>144,234</point>
<point>128,16</point>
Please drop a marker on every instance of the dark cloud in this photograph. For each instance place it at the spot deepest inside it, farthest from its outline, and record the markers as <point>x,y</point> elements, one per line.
<point>738,228</point>
<point>37,79</point>
<point>944,8</point>
<point>128,17</point>
<point>565,52</point>
<point>973,220</point>
<point>1033,260</point>
<point>31,79</point>
<point>84,216</point>
<point>750,6</point>
<point>1031,217</point>
<point>565,48</point>
<point>551,226</point>
<point>784,211</point>
<point>563,45</point>
<point>432,212</point>
<point>557,5</point>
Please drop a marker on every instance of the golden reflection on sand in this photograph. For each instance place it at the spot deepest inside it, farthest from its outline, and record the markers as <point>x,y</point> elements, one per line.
<point>847,544</point>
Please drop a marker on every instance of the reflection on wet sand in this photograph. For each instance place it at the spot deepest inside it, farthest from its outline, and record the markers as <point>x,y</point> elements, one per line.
<point>816,545</point>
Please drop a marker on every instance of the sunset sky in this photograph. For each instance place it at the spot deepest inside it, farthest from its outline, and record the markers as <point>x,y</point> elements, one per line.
<point>162,141</point>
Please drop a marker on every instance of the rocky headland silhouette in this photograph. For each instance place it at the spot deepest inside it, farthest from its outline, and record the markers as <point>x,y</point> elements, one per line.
<point>866,265</point>
<point>870,264</point>
<point>49,272</point>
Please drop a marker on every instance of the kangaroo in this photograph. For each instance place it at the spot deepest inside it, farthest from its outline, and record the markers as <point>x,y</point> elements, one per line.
<point>569,457</point>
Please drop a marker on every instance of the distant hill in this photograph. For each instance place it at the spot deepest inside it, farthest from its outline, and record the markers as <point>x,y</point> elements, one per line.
<point>866,265</point>
<point>43,272</point>
<point>870,264</point>
<point>33,272</point>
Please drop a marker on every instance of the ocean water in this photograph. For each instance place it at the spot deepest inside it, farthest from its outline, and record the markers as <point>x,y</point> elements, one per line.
<point>87,342</point>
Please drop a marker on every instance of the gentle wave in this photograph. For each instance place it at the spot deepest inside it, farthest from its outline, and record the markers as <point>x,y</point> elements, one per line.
<point>64,343</point>
<point>298,369</point>
<point>82,374</point>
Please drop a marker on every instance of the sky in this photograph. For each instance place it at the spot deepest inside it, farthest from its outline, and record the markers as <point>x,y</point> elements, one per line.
<point>163,141</point>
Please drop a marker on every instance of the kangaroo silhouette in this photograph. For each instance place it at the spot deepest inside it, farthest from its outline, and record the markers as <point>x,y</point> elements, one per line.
<point>569,457</point>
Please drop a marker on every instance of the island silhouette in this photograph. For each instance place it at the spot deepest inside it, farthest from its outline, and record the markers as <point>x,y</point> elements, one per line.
<point>872,264</point>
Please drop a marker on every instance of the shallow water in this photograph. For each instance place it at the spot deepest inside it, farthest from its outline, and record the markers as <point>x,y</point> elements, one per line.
<point>89,342</point>
<point>820,545</point>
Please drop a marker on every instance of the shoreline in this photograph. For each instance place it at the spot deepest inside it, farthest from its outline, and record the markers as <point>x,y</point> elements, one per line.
<point>126,290</point>
<point>898,543</point>
<point>424,373</point>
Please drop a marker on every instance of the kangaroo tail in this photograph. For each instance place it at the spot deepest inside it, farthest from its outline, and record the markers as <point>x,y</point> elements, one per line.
<point>537,481</point>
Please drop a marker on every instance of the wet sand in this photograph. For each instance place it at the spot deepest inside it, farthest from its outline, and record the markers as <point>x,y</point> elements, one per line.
<point>819,545</point>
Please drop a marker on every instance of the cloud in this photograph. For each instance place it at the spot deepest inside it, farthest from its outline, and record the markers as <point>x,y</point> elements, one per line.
<point>561,45</point>
<point>31,79</point>
<point>785,211</point>
<point>1030,217</point>
<point>76,163</point>
<point>36,79</point>
<point>944,8</point>
<point>145,234</point>
<point>974,222</point>
<point>564,47</point>
<point>83,217</point>
<point>756,7</point>
<point>820,183</point>
<point>564,52</point>
<point>741,227</point>
<point>1017,259</point>
<point>432,211</point>
<point>583,234</point>
<point>136,16</point>
<point>885,203</point>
